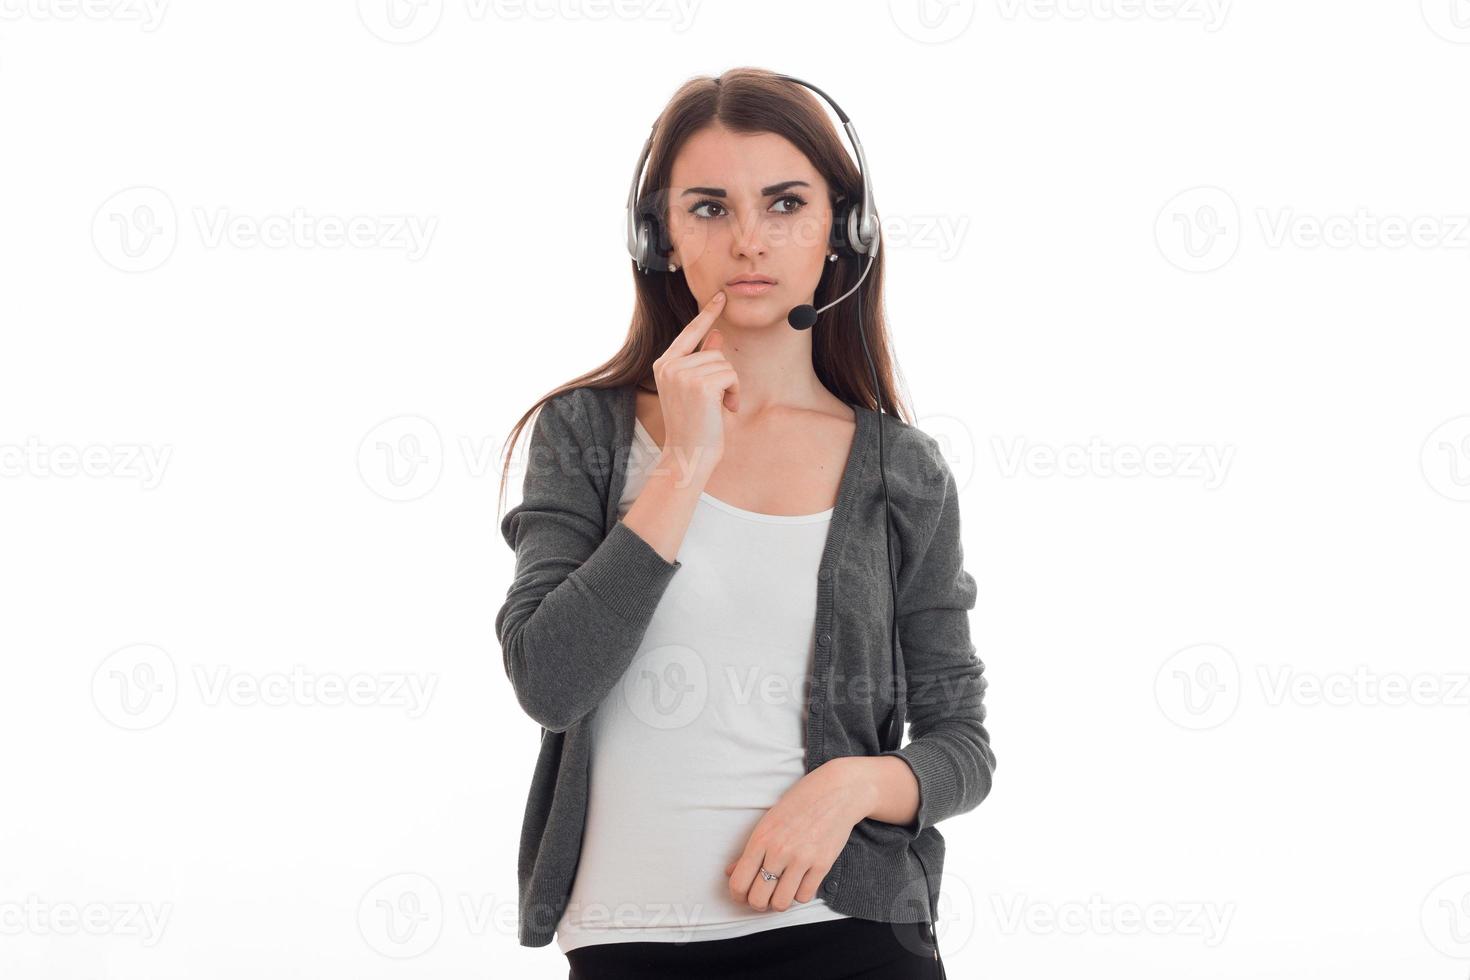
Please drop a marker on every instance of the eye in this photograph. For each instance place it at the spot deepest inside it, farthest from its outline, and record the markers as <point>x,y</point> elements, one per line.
<point>707,202</point>
<point>800,203</point>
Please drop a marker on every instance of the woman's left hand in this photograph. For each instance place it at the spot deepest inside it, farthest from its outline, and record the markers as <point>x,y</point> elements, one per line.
<point>800,837</point>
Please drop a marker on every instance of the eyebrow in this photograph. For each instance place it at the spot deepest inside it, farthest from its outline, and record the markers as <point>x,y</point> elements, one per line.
<point>765,191</point>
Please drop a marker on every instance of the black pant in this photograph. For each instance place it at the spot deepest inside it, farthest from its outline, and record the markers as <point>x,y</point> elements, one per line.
<point>835,949</point>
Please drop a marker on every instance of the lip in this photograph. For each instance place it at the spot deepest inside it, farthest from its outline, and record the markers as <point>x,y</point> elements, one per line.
<point>750,288</point>
<point>753,277</point>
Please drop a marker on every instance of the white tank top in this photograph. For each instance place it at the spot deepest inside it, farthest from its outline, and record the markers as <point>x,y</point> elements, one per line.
<point>705,732</point>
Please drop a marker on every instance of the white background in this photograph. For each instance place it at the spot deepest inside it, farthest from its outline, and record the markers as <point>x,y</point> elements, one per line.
<point>1182,228</point>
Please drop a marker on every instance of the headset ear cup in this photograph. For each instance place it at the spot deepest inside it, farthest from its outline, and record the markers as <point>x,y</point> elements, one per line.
<point>854,231</point>
<point>656,244</point>
<point>641,247</point>
<point>837,238</point>
<point>653,240</point>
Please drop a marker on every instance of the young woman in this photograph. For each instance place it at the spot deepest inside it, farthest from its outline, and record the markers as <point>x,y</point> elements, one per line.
<point>736,576</point>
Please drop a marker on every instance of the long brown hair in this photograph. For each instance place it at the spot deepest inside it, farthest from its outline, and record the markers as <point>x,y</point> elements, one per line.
<point>752,100</point>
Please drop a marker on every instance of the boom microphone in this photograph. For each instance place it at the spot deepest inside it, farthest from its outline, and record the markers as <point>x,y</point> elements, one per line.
<point>804,316</point>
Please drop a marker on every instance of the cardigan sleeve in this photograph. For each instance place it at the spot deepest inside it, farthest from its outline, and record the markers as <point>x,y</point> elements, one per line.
<point>949,749</point>
<point>580,602</point>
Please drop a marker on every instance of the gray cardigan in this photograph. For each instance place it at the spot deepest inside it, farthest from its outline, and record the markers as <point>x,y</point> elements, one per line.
<point>585,589</point>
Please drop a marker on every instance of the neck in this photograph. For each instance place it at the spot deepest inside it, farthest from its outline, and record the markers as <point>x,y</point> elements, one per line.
<point>774,363</point>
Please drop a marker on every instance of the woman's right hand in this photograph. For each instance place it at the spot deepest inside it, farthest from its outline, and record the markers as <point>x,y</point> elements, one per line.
<point>696,385</point>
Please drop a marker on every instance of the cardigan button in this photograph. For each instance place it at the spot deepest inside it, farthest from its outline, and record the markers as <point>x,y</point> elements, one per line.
<point>825,639</point>
<point>829,886</point>
<point>824,574</point>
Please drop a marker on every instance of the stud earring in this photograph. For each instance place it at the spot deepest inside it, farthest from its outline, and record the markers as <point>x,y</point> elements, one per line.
<point>831,256</point>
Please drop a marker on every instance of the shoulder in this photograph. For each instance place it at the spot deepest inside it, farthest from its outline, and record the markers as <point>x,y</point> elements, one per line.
<point>917,459</point>
<point>586,398</point>
<point>572,438</point>
<point>586,410</point>
<point>921,484</point>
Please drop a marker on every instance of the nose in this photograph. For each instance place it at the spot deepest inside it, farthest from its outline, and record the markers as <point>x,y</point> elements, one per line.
<point>750,239</point>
